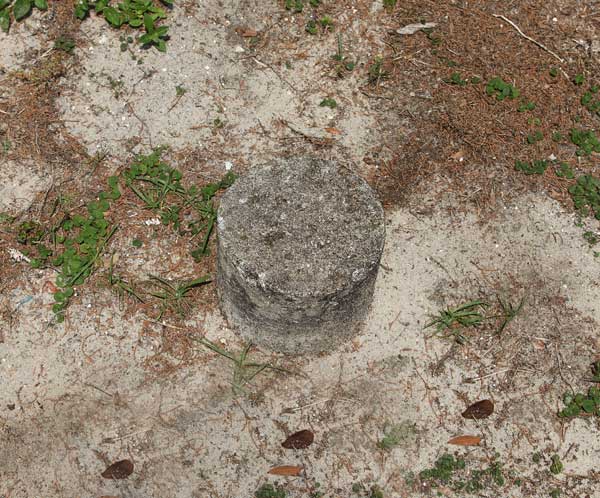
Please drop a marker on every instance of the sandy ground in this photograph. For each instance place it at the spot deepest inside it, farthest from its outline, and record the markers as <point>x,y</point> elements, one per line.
<point>113,383</point>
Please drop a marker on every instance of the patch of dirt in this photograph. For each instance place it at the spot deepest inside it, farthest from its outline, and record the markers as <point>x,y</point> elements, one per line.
<point>115,382</point>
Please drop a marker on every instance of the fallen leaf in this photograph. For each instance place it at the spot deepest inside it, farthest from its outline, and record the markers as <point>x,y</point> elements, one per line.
<point>246,32</point>
<point>479,410</point>
<point>411,29</point>
<point>286,470</point>
<point>457,156</point>
<point>465,440</point>
<point>118,470</point>
<point>333,131</point>
<point>49,286</point>
<point>299,440</point>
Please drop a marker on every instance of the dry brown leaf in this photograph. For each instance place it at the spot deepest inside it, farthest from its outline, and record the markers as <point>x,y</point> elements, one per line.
<point>333,131</point>
<point>118,470</point>
<point>286,470</point>
<point>479,410</point>
<point>465,440</point>
<point>246,32</point>
<point>457,156</point>
<point>299,440</point>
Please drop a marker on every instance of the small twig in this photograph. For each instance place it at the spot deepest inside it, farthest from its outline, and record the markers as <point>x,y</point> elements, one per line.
<point>471,380</point>
<point>542,46</point>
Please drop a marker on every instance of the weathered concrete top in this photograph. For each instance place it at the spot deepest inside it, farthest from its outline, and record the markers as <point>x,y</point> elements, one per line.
<point>302,227</point>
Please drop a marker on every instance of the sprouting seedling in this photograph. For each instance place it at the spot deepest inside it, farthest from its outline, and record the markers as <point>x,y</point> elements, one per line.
<point>244,371</point>
<point>326,22</point>
<point>526,106</point>
<point>156,36</point>
<point>509,312</point>
<point>455,79</point>
<point>64,44</point>
<point>556,466</point>
<point>343,64</point>
<point>376,71</point>
<point>328,102</point>
<point>296,6</point>
<point>121,286</point>
<point>180,91</point>
<point>502,90</point>
<point>450,321</point>
<point>173,296</point>
<point>536,167</point>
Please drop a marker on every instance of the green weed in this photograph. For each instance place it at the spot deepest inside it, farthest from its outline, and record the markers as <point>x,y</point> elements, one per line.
<point>509,312</point>
<point>435,40</point>
<point>373,491</point>
<point>537,167</point>
<point>526,106</point>
<point>121,286</point>
<point>296,6</point>
<point>159,187</point>
<point>18,10</point>
<point>586,140</point>
<point>343,64</point>
<point>389,4</point>
<point>586,195</point>
<point>449,471</point>
<point>173,296</point>
<point>456,79</point>
<point>65,44</point>
<point>139,14</point>
<point>556,466</point>
<point>311,27</point>
<point>73,246</point>
<point>244,371</point>
<point>590,101</point>
<point>535,137</point>
<point>394,435</point>
<point>579,403</point>
<point>267,490</point>
<point>579,79</point>
<point>591,238</point>
<point>376,73</point>
<point>500,89</point>
<point>326,22</point>
<point>564,171</point>
<point>553,72</point>
<point>328,102</point>
<point>450,321</point>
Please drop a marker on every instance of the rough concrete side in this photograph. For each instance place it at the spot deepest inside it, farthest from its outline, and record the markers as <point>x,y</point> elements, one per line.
<point>300,326</point>
<point>283,289</point>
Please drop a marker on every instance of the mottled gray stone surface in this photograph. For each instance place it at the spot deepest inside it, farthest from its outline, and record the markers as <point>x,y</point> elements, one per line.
<point>299,244</point>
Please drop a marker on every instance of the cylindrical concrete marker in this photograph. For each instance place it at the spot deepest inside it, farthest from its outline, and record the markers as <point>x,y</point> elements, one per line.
<point>299,244</point>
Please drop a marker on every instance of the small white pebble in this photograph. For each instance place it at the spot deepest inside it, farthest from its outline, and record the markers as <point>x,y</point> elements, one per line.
<point>228,165</point>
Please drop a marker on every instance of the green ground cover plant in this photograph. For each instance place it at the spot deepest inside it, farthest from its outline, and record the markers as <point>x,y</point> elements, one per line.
<point>498,88</point>
<point>137,14</point>
<point>451,472</point>
<point>74,244</point>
